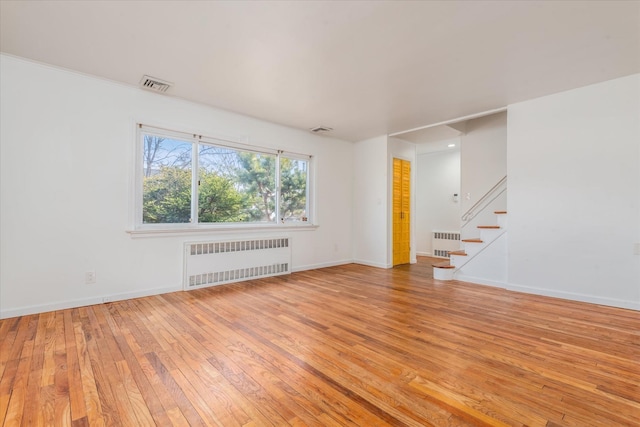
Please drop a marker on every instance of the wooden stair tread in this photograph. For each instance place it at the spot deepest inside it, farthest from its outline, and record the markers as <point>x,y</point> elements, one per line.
<point>443,265</point>
<point>476,240</point>
<point>461,253</point>
<point>500,212</point>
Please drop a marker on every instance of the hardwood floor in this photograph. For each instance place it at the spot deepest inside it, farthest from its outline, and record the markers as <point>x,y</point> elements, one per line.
<point>341,346</point>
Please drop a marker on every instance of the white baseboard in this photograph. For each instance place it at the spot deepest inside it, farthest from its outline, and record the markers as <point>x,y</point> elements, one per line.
<point>611,302</point>
<point>321,265</point>
<point>424,254</point>
<point>61,305</point>
<point>593,299</point>
<point>479,281</point>
<point>371,264</point>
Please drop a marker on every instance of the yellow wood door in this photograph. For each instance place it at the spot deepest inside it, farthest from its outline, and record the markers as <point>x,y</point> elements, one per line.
<point>401,211</point>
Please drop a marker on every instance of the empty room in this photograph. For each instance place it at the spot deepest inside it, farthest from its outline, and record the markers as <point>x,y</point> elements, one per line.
<point>319,213</point>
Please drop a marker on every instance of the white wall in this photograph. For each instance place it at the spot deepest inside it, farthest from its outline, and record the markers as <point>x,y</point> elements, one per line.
<point>370,202</point>
<point>438,179</point>
<point>574,194</point>
<point>404,150</point>
<point>66,188</point>
<point>483,162</point>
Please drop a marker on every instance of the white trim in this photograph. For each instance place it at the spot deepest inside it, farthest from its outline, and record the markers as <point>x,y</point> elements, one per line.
<point>321,265</point>
<point>190,230</point>
<point>479,281</point>
<point>372,264</point>
<point>195,179</point>
<point>572,296</point>
<point>196,137</point>
<point>62,305</point>
<point>178,128</point>
<point>136,225</point>
<point>456,120</point>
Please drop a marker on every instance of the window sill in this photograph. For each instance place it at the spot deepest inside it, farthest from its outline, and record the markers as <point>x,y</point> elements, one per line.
<point>217,229</point>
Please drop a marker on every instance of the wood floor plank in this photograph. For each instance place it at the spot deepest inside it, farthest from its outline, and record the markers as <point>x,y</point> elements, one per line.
<point>88,382</point>
<point>184,360</point>
<point>15,409</point>
<point>32,414</point>
<point>334,361</point>
<point>186,407</point>
<point>8,332</point>
<point>19,335</point>
<point>101,364</point>
<point>264,368</point>
<point>221,359</point>
<point>348,345</point>
<point>316,387</point>
<point>162,406</point>
<point>76,392</point>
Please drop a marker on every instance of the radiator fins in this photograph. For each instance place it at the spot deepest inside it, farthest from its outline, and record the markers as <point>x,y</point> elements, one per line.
<point>238,274</point>
<point>215,263</point>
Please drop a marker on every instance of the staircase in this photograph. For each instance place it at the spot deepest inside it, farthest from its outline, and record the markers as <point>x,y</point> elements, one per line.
<point>481,259</point>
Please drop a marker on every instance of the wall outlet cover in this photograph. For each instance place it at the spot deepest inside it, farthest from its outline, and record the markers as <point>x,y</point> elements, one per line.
<point>90,277</point>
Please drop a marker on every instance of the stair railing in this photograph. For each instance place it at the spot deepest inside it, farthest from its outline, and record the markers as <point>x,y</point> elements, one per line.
<point>484,201</point>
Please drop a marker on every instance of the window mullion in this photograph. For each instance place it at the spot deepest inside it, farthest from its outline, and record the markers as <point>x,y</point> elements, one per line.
<point>308,205</point>
<point>195,180</point>
<point>278,189</point>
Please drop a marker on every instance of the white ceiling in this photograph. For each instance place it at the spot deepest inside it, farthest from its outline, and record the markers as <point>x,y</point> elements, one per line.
<point>362,68</point>
<point>438,136</point>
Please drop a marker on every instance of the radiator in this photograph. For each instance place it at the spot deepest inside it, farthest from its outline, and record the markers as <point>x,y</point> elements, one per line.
<point>443,242</point>
<point>216,263</point>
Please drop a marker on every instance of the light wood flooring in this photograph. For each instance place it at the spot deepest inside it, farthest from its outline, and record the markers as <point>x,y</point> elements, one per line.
<point>341,346</point>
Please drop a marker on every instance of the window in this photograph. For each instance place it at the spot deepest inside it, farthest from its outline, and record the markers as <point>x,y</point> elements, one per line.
<point>190,179</point>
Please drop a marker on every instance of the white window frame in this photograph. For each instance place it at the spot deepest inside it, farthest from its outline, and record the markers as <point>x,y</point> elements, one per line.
<point>139,228</point>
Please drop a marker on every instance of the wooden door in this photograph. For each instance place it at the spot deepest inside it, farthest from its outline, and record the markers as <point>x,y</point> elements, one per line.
<point>401,211</point>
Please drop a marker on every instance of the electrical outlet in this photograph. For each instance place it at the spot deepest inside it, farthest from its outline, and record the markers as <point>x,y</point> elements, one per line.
<point>90,277</point>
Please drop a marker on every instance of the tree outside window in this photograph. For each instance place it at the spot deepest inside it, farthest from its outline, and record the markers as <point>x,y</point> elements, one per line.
<point>233,185</point>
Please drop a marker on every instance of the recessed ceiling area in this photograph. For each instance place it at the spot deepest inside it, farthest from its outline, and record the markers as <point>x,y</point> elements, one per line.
<point>437,138</point>
<point>363,68</point>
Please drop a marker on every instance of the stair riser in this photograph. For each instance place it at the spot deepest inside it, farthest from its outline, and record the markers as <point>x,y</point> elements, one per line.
<point>490,234</point>
<point>443,273</point>
<point>458,260</point>
<point>462,262</point>
<point>494,258</point>
<point>472,248</point>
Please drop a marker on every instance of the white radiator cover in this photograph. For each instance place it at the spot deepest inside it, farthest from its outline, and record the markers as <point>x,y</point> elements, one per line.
<point>218,262</point>
<point>443,242</point>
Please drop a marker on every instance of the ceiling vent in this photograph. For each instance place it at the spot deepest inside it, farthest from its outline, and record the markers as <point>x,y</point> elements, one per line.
<point>321,129</point>
<point>153,84</point>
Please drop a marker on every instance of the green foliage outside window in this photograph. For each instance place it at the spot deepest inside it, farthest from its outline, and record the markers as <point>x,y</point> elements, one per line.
<point>167,196</point>
<point>233,186</point>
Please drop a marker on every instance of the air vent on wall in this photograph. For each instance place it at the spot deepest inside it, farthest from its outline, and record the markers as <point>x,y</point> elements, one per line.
<point>154,84</point>
<point>321,129</point>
